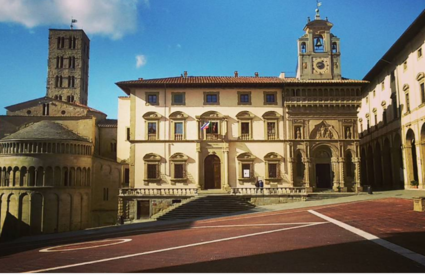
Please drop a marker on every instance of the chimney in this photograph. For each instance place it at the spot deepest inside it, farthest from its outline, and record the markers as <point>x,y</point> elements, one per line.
<point>256,74</point>
<point>140,78</point>
<point>282,75</point>
<point>185,74</point>
<point>236,74</point>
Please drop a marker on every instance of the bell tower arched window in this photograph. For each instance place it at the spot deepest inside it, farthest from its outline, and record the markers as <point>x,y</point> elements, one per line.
<point>303,47</point>
<point>319,45</point>
<point>334,47</point>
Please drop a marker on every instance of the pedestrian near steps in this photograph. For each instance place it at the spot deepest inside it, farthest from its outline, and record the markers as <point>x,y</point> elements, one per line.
<point>260,185</point>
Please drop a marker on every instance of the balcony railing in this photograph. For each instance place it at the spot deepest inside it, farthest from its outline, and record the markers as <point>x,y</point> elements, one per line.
<point>151,136</point>
<point>244,137</point>
<point>271,136</point>
<point>269,191</point>
<point>184,192</point>
<point>212,136</point>
<point>178,136</point>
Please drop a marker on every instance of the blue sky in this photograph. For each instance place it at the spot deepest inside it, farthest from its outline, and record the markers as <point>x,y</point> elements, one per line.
<point>162,38</point>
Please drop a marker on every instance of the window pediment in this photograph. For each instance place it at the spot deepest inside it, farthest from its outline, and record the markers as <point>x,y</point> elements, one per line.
<point>152,116</point>
<point>273,156</point>
<point>246,157</point>
<point>406,87</point>
<point>211,115</point>
<point>271,115</point>
<point>179,157</point>
<point>420,76</point>
<point>152,157</point>
<point>245,115</point>
<point>178,115</point>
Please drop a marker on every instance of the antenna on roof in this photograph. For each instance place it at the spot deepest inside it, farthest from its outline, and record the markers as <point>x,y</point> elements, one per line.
<point>72,22</point>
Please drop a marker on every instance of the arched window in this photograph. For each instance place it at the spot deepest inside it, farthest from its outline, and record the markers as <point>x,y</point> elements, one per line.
<point>334,47</point>
<point>319,45</point>
<point>303,47</point>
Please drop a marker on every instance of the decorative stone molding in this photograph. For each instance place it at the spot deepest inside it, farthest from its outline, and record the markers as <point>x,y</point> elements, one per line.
<point>178,115</point>
<point>245,115</point>
<point>152,116</point>
<point>271,115</point>
<point>324,130</point>
<point>246,157</point>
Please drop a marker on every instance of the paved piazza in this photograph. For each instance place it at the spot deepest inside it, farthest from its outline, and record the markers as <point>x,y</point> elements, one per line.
<point>373,236</point>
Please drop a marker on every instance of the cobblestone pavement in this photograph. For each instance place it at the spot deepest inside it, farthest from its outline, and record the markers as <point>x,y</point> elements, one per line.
<point>283,240</point>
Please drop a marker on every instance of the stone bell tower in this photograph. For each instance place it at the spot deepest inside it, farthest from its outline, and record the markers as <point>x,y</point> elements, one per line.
<point>318,51</point>
<point>68,65</point>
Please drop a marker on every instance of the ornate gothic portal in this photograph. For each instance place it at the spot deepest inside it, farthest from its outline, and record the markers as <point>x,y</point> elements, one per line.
<point>212,174</point>
<point>322,165</point>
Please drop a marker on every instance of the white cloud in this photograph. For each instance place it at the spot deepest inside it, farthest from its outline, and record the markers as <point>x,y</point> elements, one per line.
<point>112,18</point>
<point>140,60</point>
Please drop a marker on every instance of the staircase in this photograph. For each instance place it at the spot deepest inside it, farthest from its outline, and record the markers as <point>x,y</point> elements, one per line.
<point>207,205</point>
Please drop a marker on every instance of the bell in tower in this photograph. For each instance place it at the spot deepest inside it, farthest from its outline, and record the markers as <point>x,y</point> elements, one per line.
<point>318,51</point>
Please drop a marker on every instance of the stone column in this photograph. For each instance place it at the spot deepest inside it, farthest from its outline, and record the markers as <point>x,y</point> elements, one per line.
<point>291,171</point>
<point>226,168</point>
<point>307,162</point>
<point>199,161</point>
<point>335,181</point>
<point>17,179</point>
<point>356,162</point>
<point>342,187</point>
<point>44,177</point>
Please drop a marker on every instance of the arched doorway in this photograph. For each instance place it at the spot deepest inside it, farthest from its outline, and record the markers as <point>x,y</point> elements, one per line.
<point>398,162</point>
<point>212,172</point>
<point>323,169</point>
<point>411,160</point>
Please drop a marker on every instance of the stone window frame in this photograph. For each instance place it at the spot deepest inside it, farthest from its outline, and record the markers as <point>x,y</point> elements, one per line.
<point>405,67</point>
<point>273,158</point>
<point>266,93</point>
<point>383,85</point>
<point>375,116</point>
<point>244,93</point>
<point>176,103</point>
<point>211,116</point>
<point>152,117</point>
<point>178,117</point>
<point>419,53</point>
<point>245,117</point>
<point>271,117</point>
<point>147,95</point>
<point>179,159</point>
<point>246,159</point>
<point>211,93</point>
<point>421,82</point>
<point>406,89</point>
<point>152,159</point>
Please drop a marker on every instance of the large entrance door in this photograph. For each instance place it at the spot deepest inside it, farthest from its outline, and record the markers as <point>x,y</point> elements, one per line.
<point>323,175</point>
<point>212,172</point>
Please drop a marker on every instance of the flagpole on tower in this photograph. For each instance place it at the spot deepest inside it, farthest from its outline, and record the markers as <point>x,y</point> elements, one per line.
<point>72,22</point>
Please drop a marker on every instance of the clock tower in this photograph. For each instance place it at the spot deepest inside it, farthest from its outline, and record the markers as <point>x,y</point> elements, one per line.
<point>318,51</point>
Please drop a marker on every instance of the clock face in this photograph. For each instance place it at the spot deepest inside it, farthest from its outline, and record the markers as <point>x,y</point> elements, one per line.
<point>320,65</point>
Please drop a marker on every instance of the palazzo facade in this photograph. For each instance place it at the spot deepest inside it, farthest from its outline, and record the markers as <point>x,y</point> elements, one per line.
<point>392,115</point>
<point>180,136</point>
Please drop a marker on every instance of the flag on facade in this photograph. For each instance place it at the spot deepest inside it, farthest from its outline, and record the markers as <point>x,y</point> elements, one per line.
<point>205,126</point>
<point>74,21</point>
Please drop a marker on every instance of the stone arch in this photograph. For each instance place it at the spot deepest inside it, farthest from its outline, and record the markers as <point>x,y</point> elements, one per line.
<point>72,176</point>
<point>36,215</point>
<point>13,205</point>
<point>16,176</point>
<point>299,165</point>
<point>378,165</point>
<point>363,169</point>
<point>398,161</point>
<point>370,166</point>
<point>77,214</point>
<point>31,176</point>
<point>388,178</point>
<point>411,157</point>
<point>349,168</point>
<point>323,169</point>
<point>24,214</point>
<point>65,212</point>
<point>51,213</point>
<point>78,177</point>
<point>39,176</point>
<point>422,151</point>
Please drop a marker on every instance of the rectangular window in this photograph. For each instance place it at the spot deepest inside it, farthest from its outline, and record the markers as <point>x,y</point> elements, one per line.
<point>270,98</point>
<point>213,128</point>
<point>419,52</point>
<point>271,130</point>
<point>422,88</point>
<point>272,170</point>
<point>211,98</point>
<point>245,130</point>
<point>246,170</point>
<point>407,102</point>
<point>178,98</point>
<point>178,171</point>
<point>152,171</point>
<point>152,131</point>
<point>128,133</point>
<point>152,98</point>
<point>178,130</point>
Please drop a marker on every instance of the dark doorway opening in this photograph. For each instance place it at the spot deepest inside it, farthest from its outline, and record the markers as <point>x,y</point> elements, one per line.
<point>212,172</point>
<point>143,210</point>
<point>323,175</point>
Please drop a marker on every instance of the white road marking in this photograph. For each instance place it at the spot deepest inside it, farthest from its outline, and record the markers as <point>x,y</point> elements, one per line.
<point>55,248</point>
<point>393,247</point>
<point>172,248</point>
